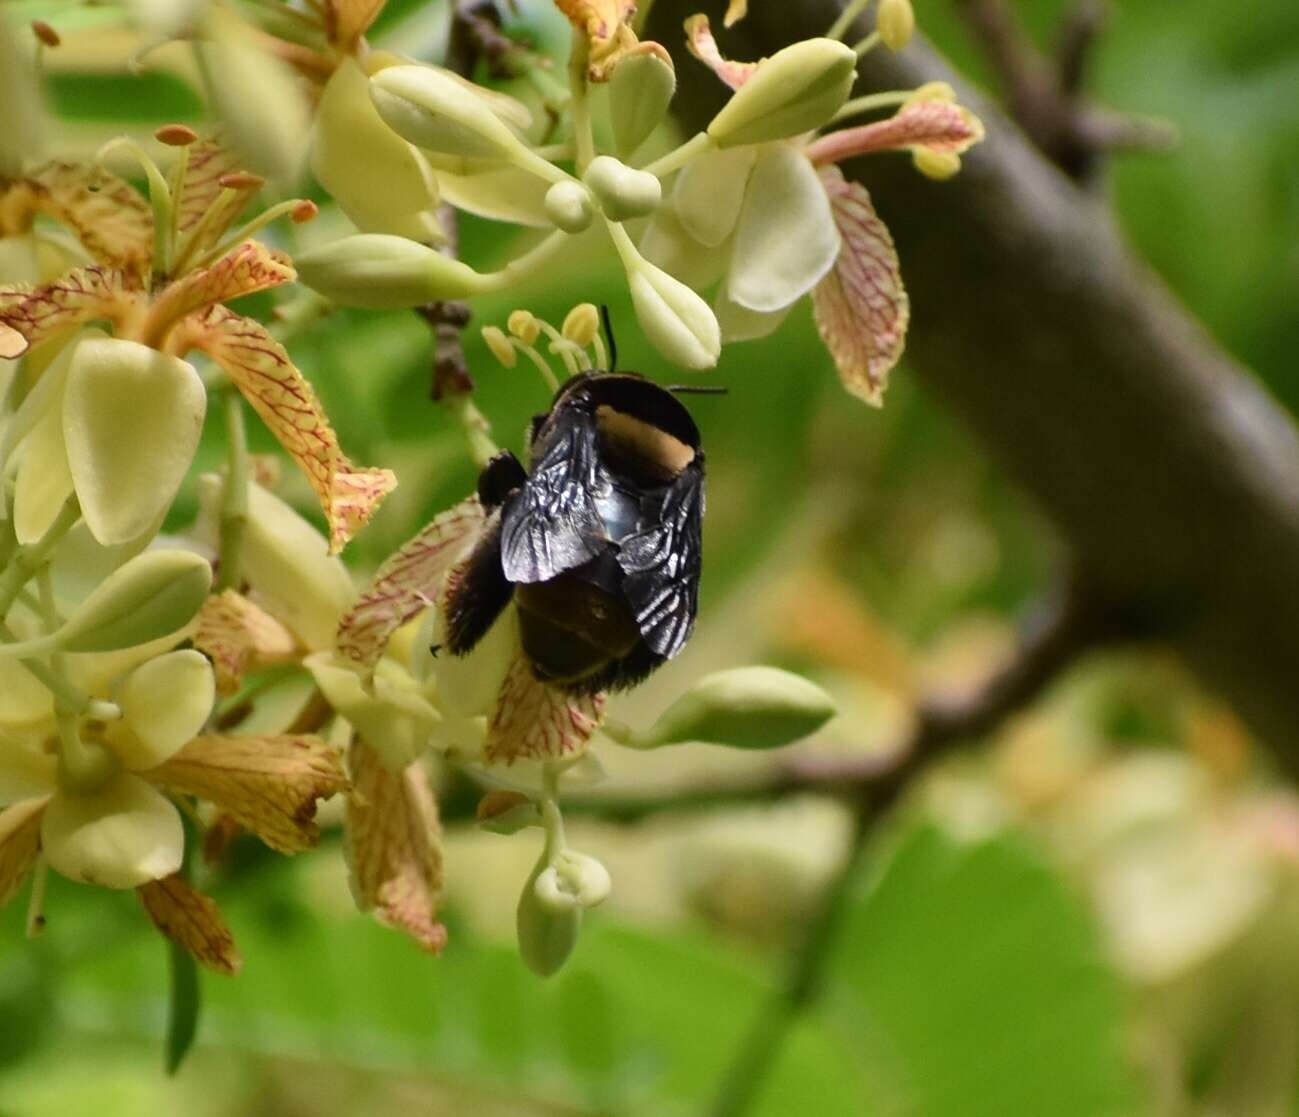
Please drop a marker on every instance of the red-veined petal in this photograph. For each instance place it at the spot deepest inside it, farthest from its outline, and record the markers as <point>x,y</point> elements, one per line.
<point>537,721</point>
<point>238,636</point>
<point>700,43</point>
<point>80,296</point>
<point>193,921</point>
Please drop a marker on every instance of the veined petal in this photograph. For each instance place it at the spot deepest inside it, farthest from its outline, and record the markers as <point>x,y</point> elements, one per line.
<point>700,43</point>
<point>394,847</point>
<point>268,784</point>
<point>238,637</point>
<point>786,238</point>
<point>80,296</point>
<point>930,123</point>
<point>247,268</point>
<point>132,417</point>
<point>710,190</point>
<point>206,163</point>
<point>347,20</point>
<point>164,703</point>
<point>124,835</point>
<point>106,212</point>
<point>193,921</point>
<point>20,842</point>
<point>538,721</point>
<point>861,307</point>
<point>408,582</point>
<point>287,404</point>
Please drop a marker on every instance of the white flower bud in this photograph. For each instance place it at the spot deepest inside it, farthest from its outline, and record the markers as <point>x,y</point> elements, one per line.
<point>623,192</point>
<point>678,323</point>
<point>574,880</point>
<point>546,936</point>
<point>795,90</point>
<point>569,206</point>
<point>384,272</point>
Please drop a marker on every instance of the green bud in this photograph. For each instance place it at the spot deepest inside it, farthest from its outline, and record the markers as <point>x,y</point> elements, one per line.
<point>574,880</point>
<point>623,192</point>
<point>745,708</point>
<point>795,90</point>
<point>677,322</point>
<point>569,206</point>
<point>640,91</point>
<point>431,109</point>
<point>896,22</point>
<point>155,594</point>
<point>546,936</point>
<point>383,272</point>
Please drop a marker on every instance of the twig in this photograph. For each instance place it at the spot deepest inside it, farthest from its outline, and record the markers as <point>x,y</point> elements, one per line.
<point>1053,637</point>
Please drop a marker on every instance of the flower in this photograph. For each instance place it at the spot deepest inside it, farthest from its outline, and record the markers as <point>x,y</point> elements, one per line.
<point>160,277</point>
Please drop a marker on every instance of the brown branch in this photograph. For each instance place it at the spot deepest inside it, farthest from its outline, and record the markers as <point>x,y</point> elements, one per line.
<point>1170,474</point>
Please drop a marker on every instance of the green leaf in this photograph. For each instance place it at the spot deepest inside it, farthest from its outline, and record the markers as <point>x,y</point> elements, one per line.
<point>972,983</point>
<point>182,1007</point>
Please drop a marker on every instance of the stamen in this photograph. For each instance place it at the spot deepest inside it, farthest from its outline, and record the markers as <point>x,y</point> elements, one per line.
<point>36,901</point>
<point>291,207</point>
<point>45,33</point>
<point>159,198</point>
<point>176,135</point>
<point>543,367</point>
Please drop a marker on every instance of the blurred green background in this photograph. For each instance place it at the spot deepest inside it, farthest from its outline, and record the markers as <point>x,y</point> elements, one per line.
<point>1094,913</point>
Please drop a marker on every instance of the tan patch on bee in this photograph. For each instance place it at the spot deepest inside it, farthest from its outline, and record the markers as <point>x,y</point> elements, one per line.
<point>642,444</point>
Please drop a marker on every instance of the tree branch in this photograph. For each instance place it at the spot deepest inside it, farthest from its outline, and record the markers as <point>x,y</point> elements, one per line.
<point>1170,473</point>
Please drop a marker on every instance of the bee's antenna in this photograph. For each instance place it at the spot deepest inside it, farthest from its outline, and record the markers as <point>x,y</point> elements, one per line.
<point>608,333</point>
<point>698,389</point>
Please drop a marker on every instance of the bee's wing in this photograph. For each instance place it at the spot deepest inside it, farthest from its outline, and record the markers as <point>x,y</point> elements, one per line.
<point>662,565</point>
<point>551,524</point>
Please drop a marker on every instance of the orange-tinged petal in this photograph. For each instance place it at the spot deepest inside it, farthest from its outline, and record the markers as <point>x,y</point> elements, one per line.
<point>861,307</point>
<point>20,842</point>
<point>106,212</point>
<point>238,636</point>
<point>268,784</point>
<point>347,20</point>
<point>408,582</point>
<point>247,268</point>
<point>81,296</point>
<point>931,124</point>
<point>287,404</point>
<point>207,163</point>
<point>700,43</point>
<point>608,33</point>
<point>540,722</point>
<point>193,921</point>
<point>394,847</point>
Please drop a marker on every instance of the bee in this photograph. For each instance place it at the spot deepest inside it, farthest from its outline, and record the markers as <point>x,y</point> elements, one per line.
<point>599,542</point>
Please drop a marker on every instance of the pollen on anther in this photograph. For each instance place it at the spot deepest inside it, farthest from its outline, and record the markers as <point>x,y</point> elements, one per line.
<point>45,33</point>
<point>175,135</point>
<point>306,210</point>
<point>241,180</point>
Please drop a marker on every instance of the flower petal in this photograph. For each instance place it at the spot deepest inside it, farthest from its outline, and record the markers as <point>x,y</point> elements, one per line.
<point>206,164</point>
<point>666,244</point>
<point>608,32</point>
<point>44,480</point>
<point>165,703</point>
<point>132,417</point>
<point>287,404</point>
<point>932,123</point>
<point>238,637</point>
<point>78,297</point>
<point>24,701</point>
<point>710,190</point>
<point>193,921</point>
<point>538,721</point>
<point>786,238</point>
<point>500,193</point>
<point>467,685</point>
<point>861,307</point>
<point>739,323</point>
<point>106,212</point>
<point>700,43</point>
<point>247,268</point>
<point>394,847</point>
<point>268,784</point>
<point>124,835</point>
<point>408,582</point>
<point>20,842</point>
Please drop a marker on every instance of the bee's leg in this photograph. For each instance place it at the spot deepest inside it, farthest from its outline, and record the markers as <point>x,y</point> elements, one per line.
<point>499,478</point>
<point>477,591</point>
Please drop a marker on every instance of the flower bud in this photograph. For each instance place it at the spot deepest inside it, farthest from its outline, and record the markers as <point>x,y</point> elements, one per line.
<point>384,272</point>
<point>573,880</point>
<point>132,417</point>
<point>24,131</point>
<point>546,936</point>
<point>500,346</point>
<point>153,595</point>
<point>523,325</point>
<point>623,192</point>
<point>569,206</point>
<point>745,708</point>
<point>678,323</point>
<point>795,90</point>
<point>581,324</point>
<point>431,109</point>
<point>640,91</point>
<point>896,22</point>
<point>938,165</point>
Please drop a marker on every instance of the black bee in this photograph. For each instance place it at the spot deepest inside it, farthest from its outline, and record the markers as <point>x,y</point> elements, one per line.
<point>599,543</point>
